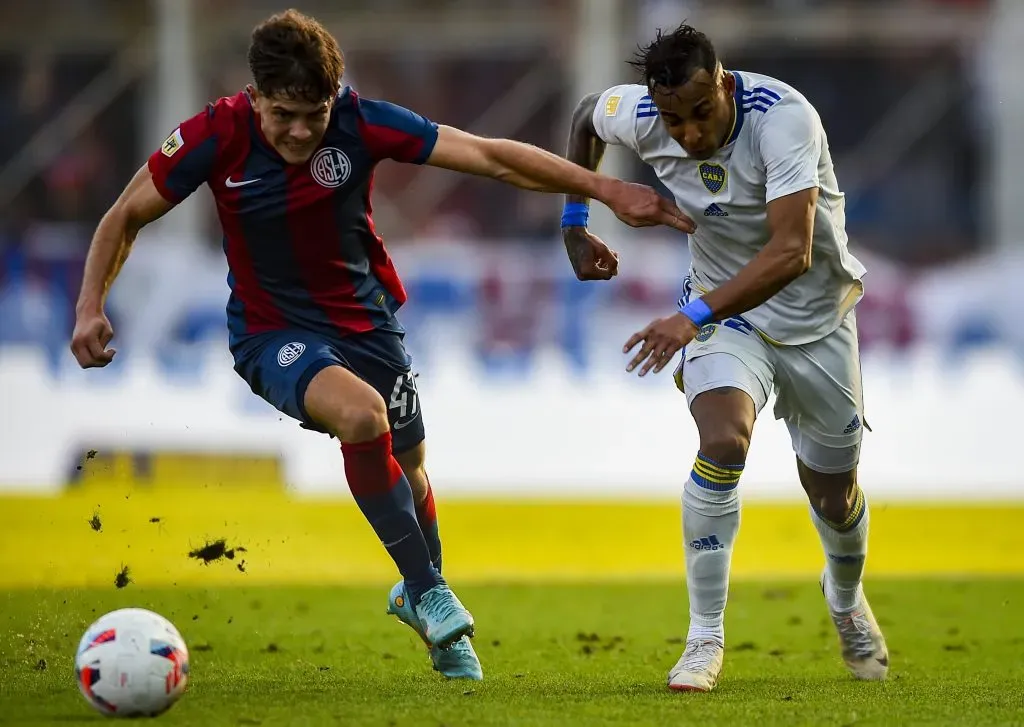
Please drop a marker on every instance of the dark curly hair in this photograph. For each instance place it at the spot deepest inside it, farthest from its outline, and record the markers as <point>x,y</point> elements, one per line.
<point>672,58</point>
<point>292,55</point>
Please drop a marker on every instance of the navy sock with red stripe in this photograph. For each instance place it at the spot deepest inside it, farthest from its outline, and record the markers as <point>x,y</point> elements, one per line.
<point>383,494</point>
<point>427,517</point>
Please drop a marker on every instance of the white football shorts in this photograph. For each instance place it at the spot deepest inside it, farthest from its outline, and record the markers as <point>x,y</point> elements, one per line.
<point>817,385</point>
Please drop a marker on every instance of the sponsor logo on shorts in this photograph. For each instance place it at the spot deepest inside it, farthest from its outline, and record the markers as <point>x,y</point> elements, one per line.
<point>853,426</point>
<point>705,332</point>
<point>405,401</point>
<point>289,353</point>
<point>708,543</point>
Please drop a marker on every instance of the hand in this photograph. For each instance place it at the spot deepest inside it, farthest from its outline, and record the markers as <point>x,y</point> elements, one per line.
<point>89,341</point>
<point>641,206</point>
<point>661,339</point>
<point>591,259</point>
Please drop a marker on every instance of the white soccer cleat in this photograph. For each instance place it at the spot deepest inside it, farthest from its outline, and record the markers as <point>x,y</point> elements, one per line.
<point>698,668</point>
<point>863,645</point>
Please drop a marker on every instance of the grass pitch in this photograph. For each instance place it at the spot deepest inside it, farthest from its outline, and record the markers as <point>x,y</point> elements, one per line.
<point>580,609</point>
<point>552,655</point>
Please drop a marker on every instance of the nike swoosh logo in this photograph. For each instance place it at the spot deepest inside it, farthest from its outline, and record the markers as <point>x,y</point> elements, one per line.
<point>231,184</point>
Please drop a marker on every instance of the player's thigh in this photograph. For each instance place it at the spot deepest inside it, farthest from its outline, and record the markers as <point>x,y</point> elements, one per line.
<point>344,405</point>
<point>726,374</point>
<point>821,400</point>
<point>379,357</point>
<point>279,366</point>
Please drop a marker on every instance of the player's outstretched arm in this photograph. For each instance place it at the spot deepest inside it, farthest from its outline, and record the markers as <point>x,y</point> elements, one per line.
<point>139,204</point>
<point>530,167</point>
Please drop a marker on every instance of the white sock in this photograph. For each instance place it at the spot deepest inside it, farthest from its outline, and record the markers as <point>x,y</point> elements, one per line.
<point>711,520</point>
<point>846,548</point>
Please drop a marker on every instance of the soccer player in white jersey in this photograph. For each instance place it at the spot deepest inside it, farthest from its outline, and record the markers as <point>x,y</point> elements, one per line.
<point>767,305</point>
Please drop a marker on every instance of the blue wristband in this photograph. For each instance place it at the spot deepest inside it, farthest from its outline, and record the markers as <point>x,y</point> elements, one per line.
<point>698,312</point>
<point>575,214</point>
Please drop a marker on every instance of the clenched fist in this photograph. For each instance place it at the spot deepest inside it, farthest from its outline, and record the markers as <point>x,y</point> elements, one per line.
<point>90,338</point>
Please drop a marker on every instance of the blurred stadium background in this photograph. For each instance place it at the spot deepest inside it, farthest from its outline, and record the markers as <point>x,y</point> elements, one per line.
<point>521,374</point>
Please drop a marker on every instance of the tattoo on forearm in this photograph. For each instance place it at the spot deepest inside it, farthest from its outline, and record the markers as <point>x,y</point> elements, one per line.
<point>574,249</point>
<point>584,147</point>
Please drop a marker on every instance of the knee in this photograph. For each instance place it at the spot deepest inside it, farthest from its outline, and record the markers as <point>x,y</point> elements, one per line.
<point>832,496</point>
<point>726,445</point>
<point>345,406</point>
<point>833,506</point>
<point>359,421</point>
<point>413,459</point>
<point>725,419</point>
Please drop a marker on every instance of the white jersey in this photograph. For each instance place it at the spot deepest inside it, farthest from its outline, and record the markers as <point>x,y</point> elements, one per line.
<point>777,147</point>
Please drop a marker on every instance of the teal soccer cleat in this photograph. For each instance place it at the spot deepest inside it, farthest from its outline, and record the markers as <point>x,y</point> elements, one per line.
<point>443,617</point>
<point>459,661</point>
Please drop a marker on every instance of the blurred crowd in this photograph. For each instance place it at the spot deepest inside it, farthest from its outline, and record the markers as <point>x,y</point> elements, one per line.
<point>915,210</point>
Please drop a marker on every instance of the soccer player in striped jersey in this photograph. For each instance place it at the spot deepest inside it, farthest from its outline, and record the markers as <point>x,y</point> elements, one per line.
<point>767,305</point>
<point>314,295</point>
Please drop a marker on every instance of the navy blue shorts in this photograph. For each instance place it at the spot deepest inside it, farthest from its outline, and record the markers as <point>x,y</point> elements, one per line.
<point>279,365</point>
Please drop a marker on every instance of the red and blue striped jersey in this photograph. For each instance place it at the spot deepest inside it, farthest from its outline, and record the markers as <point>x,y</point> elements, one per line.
<point>300,242</point>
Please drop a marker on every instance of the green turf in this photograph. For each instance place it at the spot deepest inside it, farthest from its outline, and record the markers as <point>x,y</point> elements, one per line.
<point>565,655</point>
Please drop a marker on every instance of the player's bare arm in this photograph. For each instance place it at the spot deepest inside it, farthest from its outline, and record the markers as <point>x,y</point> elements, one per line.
<point>590,257</point>
<point>785,258</point>
<point>139,204</point>
<point>530,167</point>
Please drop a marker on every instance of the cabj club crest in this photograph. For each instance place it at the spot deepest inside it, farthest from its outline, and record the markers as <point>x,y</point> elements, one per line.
<point>714,176</point>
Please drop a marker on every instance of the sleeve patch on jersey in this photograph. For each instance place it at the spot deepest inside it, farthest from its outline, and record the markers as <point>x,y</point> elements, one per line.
<point>611,106</point>
<point>173,143</point>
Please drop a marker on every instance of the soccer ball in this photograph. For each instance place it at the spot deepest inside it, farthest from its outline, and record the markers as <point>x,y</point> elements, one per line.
<point>132,663</point>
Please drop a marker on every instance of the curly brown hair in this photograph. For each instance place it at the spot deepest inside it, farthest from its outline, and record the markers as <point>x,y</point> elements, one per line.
<point>293,55</point>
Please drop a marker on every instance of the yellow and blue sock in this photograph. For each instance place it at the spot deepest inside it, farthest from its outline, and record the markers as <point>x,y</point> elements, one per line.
<point>846,548</point>
<point>711,521</point>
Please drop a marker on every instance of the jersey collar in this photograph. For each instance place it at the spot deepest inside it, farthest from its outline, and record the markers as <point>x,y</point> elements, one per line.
<point>737,103</point>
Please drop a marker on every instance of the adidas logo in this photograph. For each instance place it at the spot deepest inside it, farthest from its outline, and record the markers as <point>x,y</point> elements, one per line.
<point>714,210</point>
<point>708,543</point>
<point>853,426</point>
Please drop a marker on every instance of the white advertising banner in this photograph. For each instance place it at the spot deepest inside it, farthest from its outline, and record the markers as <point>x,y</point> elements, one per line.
<point>936,435</point>
<point>522,381</point>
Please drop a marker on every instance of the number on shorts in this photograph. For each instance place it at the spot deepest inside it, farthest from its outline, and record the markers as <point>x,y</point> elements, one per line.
<point>404,396</point>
